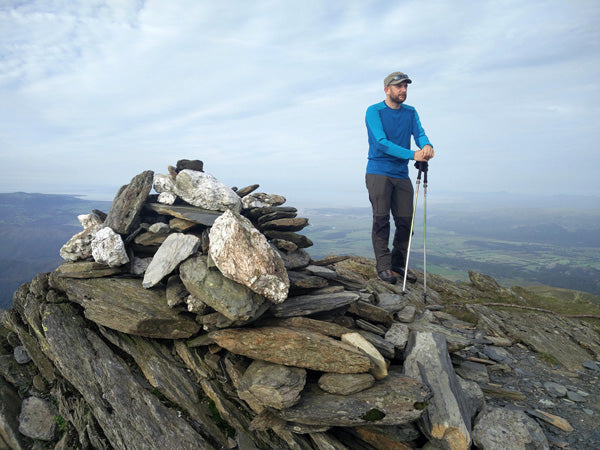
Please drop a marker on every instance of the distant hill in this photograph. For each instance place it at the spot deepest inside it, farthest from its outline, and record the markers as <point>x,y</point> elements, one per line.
<point>33,228</point>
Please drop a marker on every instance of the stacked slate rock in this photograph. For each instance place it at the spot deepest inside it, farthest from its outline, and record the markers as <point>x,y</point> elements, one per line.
<point>195,318</point>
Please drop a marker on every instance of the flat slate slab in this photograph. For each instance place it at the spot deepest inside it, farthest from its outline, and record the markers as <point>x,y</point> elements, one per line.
<point>191,213</point>
<point>303,305</point>
<point>87,269</point>
<point>293,347</point>
<point>395,400</point>
<point>123,304</point>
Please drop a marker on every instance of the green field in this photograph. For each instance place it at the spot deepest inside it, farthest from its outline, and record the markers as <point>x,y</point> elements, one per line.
<point>517,246</point>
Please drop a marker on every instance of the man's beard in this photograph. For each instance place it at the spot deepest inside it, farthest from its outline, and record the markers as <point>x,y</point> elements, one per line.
<point>399,98</point>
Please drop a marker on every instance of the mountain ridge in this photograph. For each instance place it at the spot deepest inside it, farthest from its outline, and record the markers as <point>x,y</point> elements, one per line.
<point>148,353</point>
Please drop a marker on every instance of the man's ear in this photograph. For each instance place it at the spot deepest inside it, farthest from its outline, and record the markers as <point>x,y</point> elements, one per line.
<point>386,89</point>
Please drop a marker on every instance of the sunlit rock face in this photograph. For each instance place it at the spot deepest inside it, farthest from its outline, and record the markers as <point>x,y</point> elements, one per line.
<point>199,189</point>
<point>243,254</point>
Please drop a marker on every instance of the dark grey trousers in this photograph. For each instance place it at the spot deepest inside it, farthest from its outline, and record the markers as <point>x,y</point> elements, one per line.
<point>393,195</point>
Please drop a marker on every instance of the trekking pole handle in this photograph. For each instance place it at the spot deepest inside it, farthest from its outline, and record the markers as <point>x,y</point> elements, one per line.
<point>422,166</point>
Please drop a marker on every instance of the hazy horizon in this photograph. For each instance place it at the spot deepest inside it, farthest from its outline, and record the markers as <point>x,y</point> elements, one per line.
<point>435,198</point>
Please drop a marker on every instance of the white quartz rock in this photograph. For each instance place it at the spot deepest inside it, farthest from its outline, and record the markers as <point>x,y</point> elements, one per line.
<point>80,245</point>
<point>89,220</point>
<point>205,191</point>
<point>108,248</point>
<point>244,255</point>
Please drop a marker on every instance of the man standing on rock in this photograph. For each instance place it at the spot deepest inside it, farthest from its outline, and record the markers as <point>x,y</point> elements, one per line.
<point>390,125</point>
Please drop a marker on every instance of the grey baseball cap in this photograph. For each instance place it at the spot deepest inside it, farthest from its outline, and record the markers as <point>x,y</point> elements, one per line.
<point>396,78</point>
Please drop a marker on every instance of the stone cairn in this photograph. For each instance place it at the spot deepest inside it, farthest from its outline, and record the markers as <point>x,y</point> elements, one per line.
<point>195,318</point>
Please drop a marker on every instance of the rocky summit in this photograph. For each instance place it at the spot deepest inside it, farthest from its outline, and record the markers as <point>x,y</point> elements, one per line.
<point>194,318</point>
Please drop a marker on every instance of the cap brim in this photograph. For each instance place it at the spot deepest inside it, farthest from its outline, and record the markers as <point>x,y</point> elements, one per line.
<point>408,80</point>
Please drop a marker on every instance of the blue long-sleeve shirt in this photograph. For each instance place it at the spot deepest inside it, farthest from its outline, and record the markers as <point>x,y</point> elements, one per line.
<point>389,133</point>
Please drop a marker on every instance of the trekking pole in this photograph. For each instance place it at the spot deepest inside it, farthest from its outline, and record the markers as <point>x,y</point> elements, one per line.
<point>412,223</point>
<point>425,234</point>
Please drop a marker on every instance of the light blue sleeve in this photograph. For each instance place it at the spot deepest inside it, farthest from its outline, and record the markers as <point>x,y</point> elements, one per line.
<point>418,133</point>
<point>376,128</point>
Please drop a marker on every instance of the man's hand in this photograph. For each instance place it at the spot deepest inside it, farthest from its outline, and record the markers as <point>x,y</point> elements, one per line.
<point>425,154</point>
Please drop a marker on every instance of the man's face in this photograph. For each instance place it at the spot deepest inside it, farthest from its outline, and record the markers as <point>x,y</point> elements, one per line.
<point>397,92</point>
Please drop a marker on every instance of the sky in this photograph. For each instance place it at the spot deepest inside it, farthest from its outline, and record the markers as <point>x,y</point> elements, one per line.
<point>275,93</point>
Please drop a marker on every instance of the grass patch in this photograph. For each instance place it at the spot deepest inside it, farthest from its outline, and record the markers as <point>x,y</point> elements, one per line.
<point>565,302</point>
<point>373,415</point>
<point>221,423</point>
<point>561,301</point>
<point>164,400</point>
<point>420,406</point>
<point>360,265</point>
<point>463,314</point>
<point>568,295</point>
<point>24,389</point>
<point>62,423</point>
<point>548,358</point>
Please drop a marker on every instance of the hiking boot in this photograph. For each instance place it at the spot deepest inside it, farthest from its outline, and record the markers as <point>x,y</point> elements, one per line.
<point>388,276</point>
<point>410,276</point>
